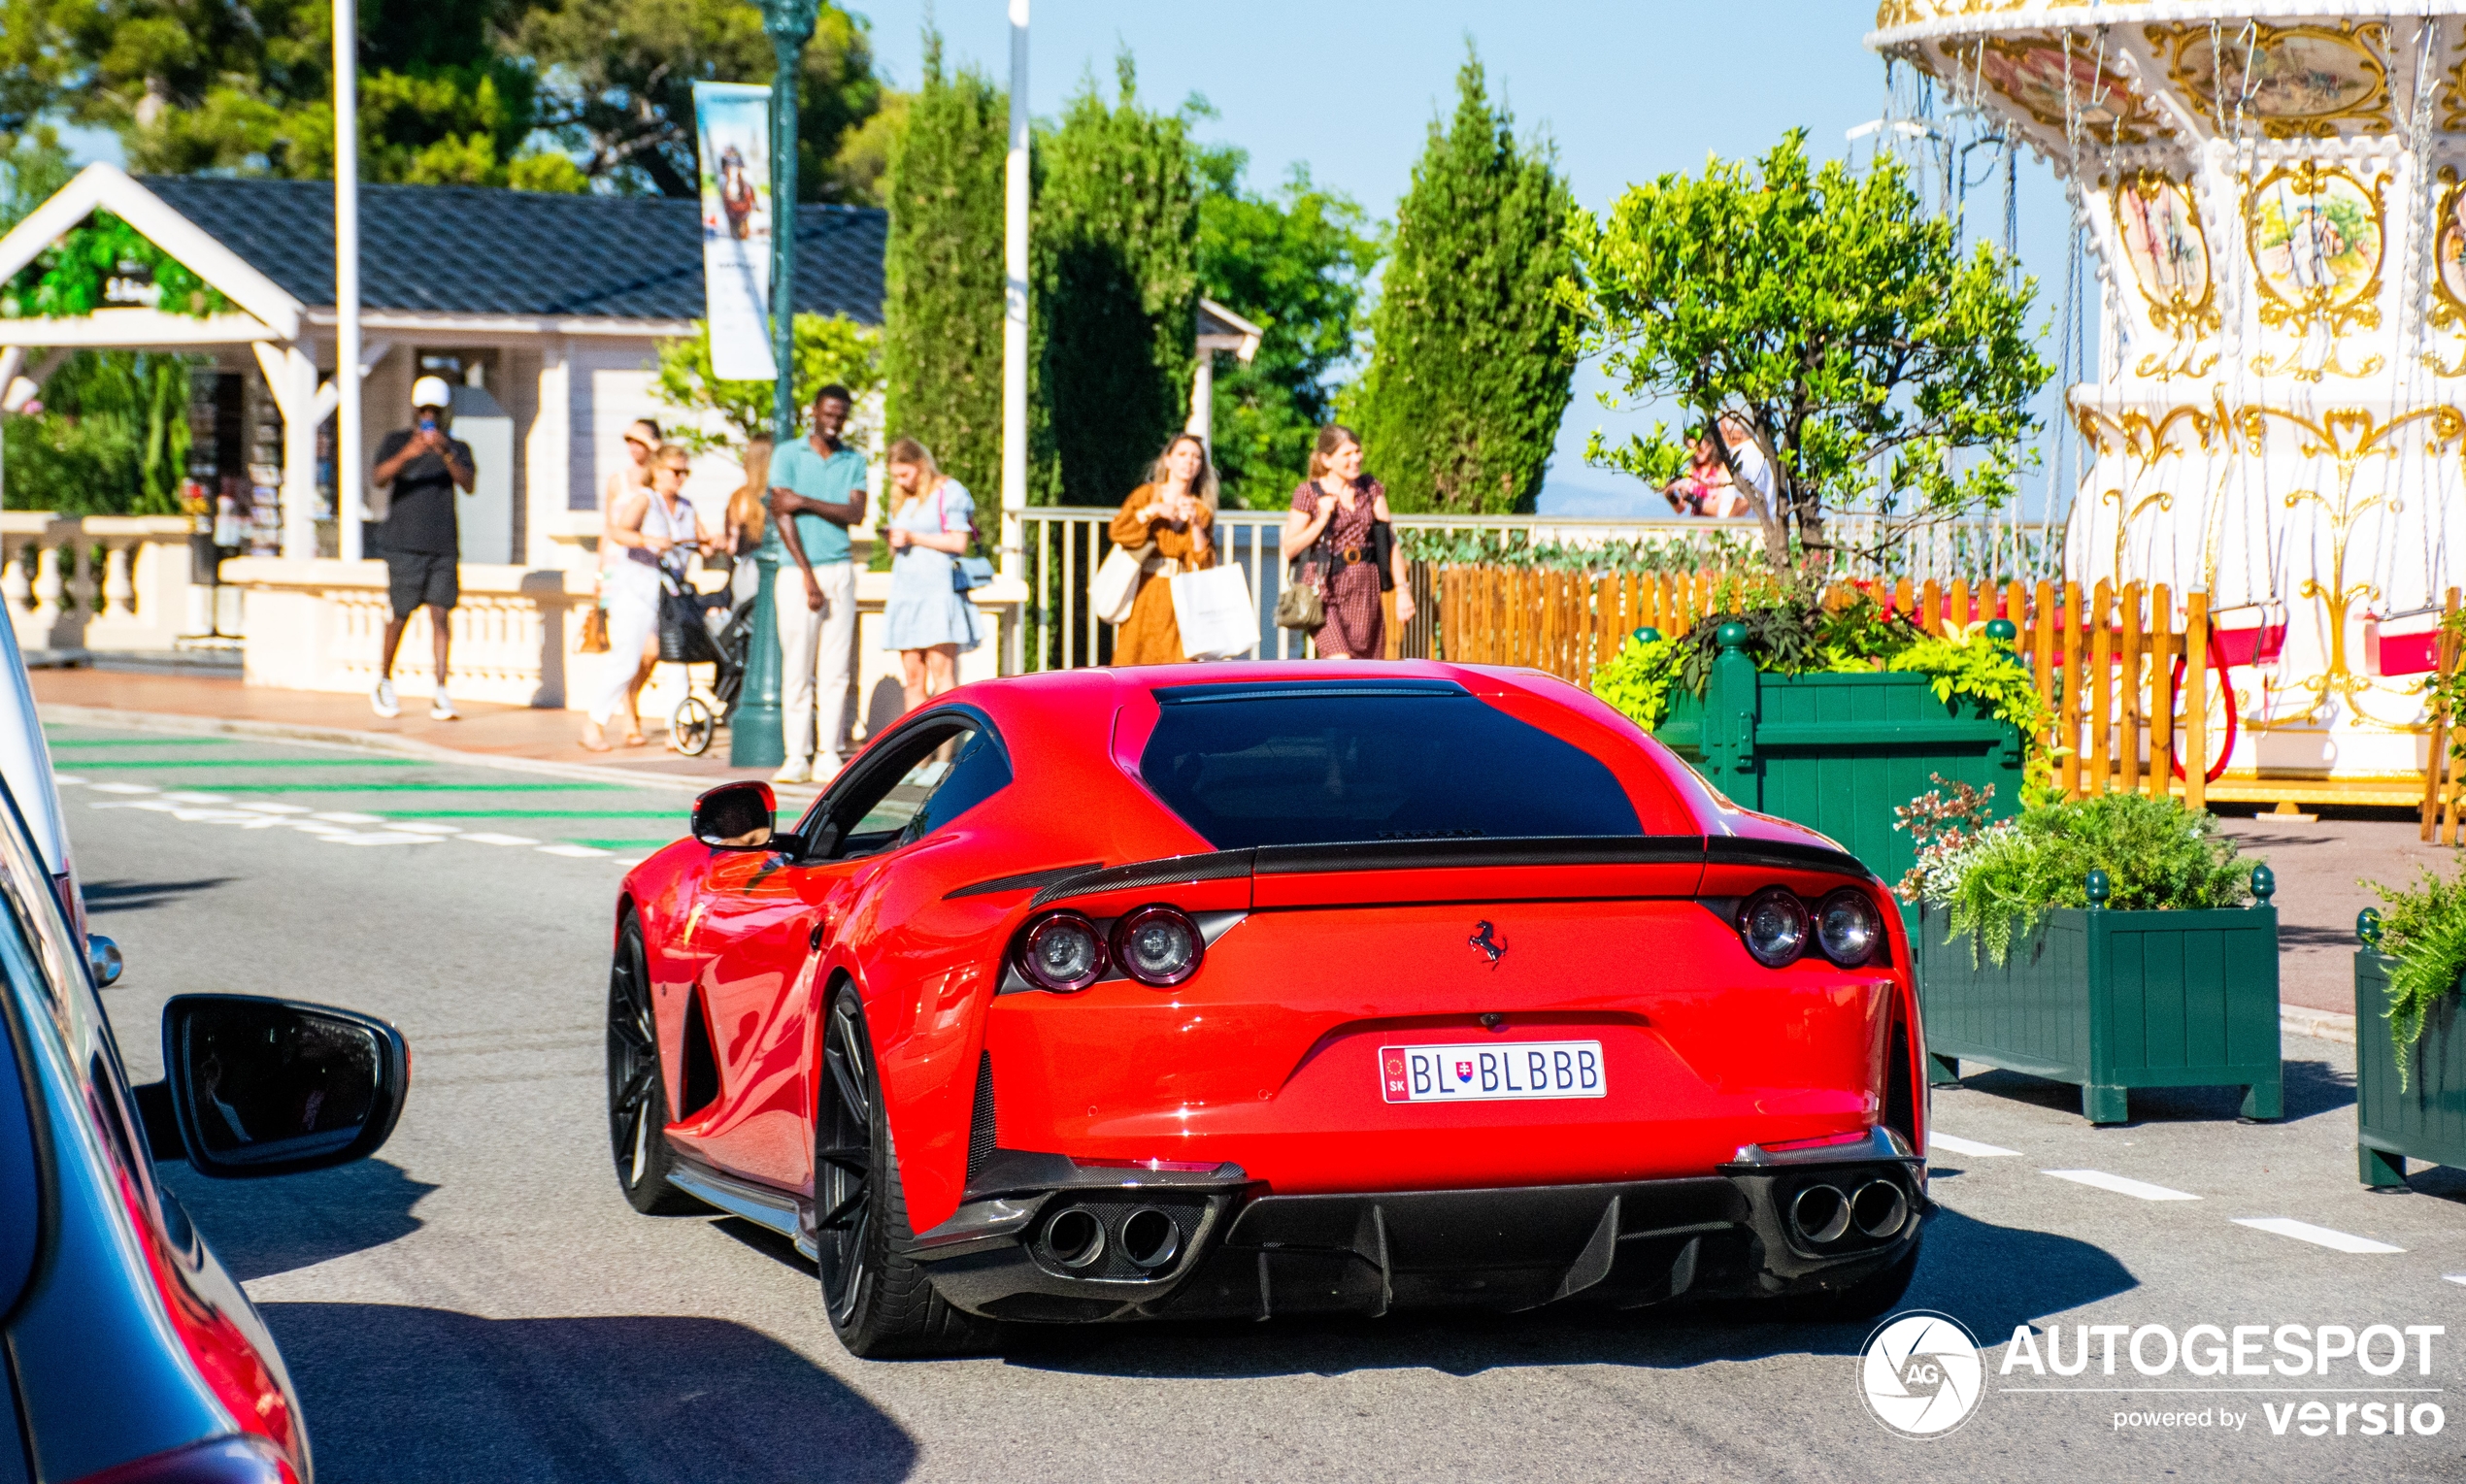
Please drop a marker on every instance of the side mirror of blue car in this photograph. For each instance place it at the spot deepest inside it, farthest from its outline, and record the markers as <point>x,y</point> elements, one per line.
<point>256,1086</point>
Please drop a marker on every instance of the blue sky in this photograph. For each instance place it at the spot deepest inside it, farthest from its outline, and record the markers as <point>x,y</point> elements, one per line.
<point>1627,91</point>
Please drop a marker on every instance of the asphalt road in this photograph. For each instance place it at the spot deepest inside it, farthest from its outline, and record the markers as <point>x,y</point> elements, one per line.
<point>478,1303</point>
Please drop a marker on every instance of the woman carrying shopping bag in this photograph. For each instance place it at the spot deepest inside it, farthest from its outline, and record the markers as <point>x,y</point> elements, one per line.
<point>1168,524</point>
<point>928,618</point>
<point>1343,514</point>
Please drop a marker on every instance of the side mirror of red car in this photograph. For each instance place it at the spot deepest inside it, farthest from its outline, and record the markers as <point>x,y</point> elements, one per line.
<point>736,816</point>
<point>259,1086</point>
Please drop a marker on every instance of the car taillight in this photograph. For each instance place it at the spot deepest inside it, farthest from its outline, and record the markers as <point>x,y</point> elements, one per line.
<point>1847,927</point>
<point>244,1459</point>
<point>1160,947</point>
<point>1772,924</point>
<point>1064,953</point>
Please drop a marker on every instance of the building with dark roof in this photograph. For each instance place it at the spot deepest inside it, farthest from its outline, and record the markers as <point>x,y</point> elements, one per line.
<point>545,310</point>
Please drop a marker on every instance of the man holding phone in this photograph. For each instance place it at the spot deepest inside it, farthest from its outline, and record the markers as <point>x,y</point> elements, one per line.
<point>422,533</point>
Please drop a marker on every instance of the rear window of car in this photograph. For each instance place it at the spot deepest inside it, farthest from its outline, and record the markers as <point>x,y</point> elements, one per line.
<point>1334,764</point>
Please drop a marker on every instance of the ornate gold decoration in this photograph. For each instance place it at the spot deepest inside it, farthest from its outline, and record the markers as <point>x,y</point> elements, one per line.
<point>2347,436</point>
<point>2453,94</point>
<point>2159,224</point>
<point>2144,439</point>
<point>2316,265</point>
<point>2449,270</point>
<point>2281,76</point>
<point>2029,73</point>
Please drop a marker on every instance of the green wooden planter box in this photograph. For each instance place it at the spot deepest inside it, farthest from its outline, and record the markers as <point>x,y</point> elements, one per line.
<point>2112,1000</point>
<point>1840,752</point>
<point>2427,1120</point>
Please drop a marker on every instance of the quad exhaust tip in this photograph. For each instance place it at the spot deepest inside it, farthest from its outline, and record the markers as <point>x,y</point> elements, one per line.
<point>1879,1209</point>
<point>1074,1237</point>
<point>1149,1237</point>
<point>1820,1215</point>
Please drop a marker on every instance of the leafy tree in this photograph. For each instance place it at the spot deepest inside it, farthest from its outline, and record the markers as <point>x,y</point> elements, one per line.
<point>942,271</point>
<point>1116,295</point>
<point>827,348</point>
<point>220,84</point>
<point>1832,315</point>
<point>112,438</point>
<point>1471,366</point>
<point>32,169</point>
<point>620,77</point>
<point>1295,264</point>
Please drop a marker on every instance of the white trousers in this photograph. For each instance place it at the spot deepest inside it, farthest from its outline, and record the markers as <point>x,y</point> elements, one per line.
<point>818,653</point>
<point>633,619</point>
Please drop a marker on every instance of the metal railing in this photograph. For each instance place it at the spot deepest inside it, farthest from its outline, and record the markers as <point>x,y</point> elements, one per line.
<point>1063,547</point>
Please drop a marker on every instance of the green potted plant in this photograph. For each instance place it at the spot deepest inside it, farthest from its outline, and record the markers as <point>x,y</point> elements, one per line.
<point>1829,712</point>
<point>2103,942</point>
<point>2410,1050</point>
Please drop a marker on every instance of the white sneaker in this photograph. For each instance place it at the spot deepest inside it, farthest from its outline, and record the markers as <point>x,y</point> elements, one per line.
<point>382,700</point>
<point>793,772</point>
<point>442,709</point>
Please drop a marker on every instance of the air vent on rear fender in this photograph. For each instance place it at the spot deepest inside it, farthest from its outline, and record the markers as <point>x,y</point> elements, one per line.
<point>980,1126</point>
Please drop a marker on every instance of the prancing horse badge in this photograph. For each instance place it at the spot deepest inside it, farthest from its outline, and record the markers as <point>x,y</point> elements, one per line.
<point>1483,940</point>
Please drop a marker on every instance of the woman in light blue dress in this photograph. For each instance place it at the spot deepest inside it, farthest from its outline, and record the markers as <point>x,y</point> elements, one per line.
<point>927,619</point>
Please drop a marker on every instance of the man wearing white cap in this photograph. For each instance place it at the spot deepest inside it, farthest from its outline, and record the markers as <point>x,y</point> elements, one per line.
<point>422,532</point>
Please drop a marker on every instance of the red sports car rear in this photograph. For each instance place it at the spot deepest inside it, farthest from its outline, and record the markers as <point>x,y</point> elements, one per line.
<point>1257,989</point>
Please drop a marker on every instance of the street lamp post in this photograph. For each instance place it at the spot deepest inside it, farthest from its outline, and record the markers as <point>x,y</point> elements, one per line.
<point>755,736</point>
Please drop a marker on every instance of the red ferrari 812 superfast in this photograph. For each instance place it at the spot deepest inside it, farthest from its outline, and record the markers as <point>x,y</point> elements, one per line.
<point>1258,989</point>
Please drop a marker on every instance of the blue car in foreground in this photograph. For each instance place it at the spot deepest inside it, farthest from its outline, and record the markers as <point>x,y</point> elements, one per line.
<point>131,1356</point>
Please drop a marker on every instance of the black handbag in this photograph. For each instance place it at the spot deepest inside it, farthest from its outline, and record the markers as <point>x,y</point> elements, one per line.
<point>685,632</point>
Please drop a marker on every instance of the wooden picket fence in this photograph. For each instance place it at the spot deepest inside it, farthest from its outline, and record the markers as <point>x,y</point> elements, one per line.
<point>2121,734</point>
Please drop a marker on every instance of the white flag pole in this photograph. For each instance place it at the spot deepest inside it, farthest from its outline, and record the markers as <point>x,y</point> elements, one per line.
<point>1014,310</point>
<point>348,472</point>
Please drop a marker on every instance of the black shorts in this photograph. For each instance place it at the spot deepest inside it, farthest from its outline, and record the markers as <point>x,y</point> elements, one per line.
<point>421,578</point>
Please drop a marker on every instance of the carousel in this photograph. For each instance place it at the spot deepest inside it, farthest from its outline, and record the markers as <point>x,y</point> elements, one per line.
<point>2275,197</point>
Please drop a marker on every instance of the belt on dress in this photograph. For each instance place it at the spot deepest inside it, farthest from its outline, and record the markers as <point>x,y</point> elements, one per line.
<point>1352,556</point>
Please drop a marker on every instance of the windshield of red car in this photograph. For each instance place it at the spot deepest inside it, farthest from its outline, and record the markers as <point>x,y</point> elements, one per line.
<point>1329,763</point>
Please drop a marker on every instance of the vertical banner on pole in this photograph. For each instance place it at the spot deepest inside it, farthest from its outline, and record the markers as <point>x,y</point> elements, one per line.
<point>732,121</point>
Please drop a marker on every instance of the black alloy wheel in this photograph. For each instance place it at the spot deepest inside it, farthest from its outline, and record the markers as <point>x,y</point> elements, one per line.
<point>637,1093</point>
<point>880,1303</point>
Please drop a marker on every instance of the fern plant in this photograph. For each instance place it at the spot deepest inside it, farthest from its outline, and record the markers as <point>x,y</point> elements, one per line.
<point>2157,857</point>
<point>2423,931</point>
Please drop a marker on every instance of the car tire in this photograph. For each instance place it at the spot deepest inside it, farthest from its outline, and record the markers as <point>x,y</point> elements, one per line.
<point>637,1085</point>
<point>880,1303</point>
<point>1871,1296</point>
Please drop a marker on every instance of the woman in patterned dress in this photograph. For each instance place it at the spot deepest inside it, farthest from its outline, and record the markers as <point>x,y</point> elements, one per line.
<point>1338,509</point>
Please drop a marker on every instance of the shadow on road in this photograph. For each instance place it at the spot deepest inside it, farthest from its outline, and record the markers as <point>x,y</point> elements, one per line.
<point>399,1393</point>
<point>137,896</point>
<point>264,1226</point>
<point>2312,1088</point>
<point>1990,1277</point>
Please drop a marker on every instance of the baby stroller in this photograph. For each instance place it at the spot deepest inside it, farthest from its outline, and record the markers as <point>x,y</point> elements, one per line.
<point>689,636</point>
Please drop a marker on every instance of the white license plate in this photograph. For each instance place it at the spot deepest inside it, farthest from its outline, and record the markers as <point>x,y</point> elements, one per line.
<point>1492,1072</point>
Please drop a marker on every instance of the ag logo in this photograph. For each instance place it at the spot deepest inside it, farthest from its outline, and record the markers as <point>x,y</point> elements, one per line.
<point>1920,1373</point>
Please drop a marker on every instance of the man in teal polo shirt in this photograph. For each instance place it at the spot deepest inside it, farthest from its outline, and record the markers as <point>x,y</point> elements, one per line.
<point>818,491</point>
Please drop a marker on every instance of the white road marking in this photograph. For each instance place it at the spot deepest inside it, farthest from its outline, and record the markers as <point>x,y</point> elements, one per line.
<point>429,829</point>
<point>340,816</point>
<point>578,852</point>
<point>187,797</point>
<point>2119,1185</point>
<point>211,817</point>
<point>379,838</point>
<point>2318,1237</point>
<point>277,808</point>
<point>1972,1148</point>
<point>2454,1277</point>
<point>488,837</point>
<point>126,788</point>
<point>65,781</point>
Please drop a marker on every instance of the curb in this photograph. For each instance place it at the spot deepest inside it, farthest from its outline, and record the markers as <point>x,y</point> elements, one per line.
<point>372,742</point>
<point>2319,1024</point>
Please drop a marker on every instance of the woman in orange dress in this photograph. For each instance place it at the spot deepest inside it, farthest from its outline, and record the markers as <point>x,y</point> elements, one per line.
<point>1175,513</point>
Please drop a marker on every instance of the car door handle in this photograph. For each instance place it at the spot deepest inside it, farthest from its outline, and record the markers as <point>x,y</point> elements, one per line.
<point>821,929</point>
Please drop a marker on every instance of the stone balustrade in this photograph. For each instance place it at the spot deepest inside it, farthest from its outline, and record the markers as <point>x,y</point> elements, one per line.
<point>105,584</point>
<point>320,625</point>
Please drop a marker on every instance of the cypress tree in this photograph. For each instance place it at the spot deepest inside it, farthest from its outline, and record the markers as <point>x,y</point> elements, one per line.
<point>1469,368</point>
<point>941,275</point>
<point>1117,295</point>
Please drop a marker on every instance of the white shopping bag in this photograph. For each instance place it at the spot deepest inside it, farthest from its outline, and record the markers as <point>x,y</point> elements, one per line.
<point>1214,610</point>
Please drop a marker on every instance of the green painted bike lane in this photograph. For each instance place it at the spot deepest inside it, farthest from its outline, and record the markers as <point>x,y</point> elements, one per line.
<point>367,790</point>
